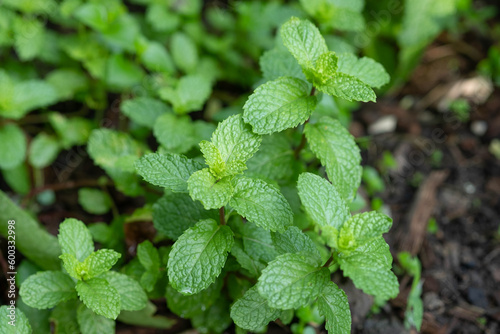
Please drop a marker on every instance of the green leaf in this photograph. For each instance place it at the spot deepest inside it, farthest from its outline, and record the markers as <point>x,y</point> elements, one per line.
<point>121,73</point>
<point>32,240</point>
<point>347,87</point>
<point>262,204</point>
<point>277,63</point>
<point>215,319</point>
<point>99,262</point>
<point>29,37</point>
<point>363,227</point>
<point>46,289</point>
<point>12,146</point>
<point>210,191</point>
<point>293,240</point>
<point>148,256</point>
<point>188,306</point>
<point>25,96</point>
<point>156,58</point>
<point>334,306</point>
<point>74,267</point>
<point>236,143</point>
<point>132,296</point>
<point>292,280</point>
<point>184,52</point>
<point>18,178</point>
<point>68,82</point>
<point>113,150</point>
<point>43,150</point>
<point>63,318</point>
<point>198,256</point>
<point>303,40</point>
<point>369,267</point>
<point>190,93</point>
<point>365,69</point>
<point>257,241</point>
<point>18,324</point>
<point>322,202</point>
<point>144,110</point>
<point>171,171</point>
<point>75,239</point>
<point>175,213</point>
<point>92,323</point>
<point>99,296</point>
<point>338,152</point>
<point>146,318</point>
<point>423,20</point>
<point>251,312</point>
<point>253,266</point>
<point>274,160</point>
<point>94,201</point>
<point>341,15</point>
<point>278,105</point>
<point>71,131</point>
<point>175,133</point>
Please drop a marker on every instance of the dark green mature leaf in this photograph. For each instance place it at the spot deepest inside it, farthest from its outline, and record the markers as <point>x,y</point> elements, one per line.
<point>188,306</point>
<point>215,319</point>
<point>292,280</point>
<point>32,240</point>
<point>146,318</point>
<point>253,266</point>
<point>98,295</point>
<point>278,105</point>
<point>277,63</point>
<point>198,256</point>
<point>169,170</point>
<point>92,323</point>
<point>334,306</point>
<point>175,133</point>
<point>12,146</point>
<point>175,213</point>
<point>274,160</point>
<point>94,201</point>
<point>336,149</point>
<point>257,242</point>
<point>252,312</point>
<point>293,240</point>
<point>261,204</point>
<point>63,317</point>
<point>46,289</point>
<point>75,239</point>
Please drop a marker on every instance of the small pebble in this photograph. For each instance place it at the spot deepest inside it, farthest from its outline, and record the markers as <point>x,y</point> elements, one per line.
<point>479,128</point>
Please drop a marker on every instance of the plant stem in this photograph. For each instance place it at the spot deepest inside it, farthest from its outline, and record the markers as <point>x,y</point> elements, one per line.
<point>222,216</point>
<point>329,262</point>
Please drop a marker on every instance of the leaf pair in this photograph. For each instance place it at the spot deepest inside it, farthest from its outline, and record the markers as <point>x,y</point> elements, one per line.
<point>103,291</point>
<point>363,254</point>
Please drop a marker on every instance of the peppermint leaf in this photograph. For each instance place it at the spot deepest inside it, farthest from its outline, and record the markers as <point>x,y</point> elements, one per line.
<point>100,262</point>
<point>363,227</point>
<point>278,105</point>
<point>251,312</point>
<point>175,213</point>
<point>236,143</point>
<point>175,133</point>
<point>292,280</point>
<point>22,325</point>
<point>334,306</point>
<point>293,240</point>
<point>98,295</point>
<point>198,256</point>
<point>46,289</point>
<point>189,306</point>
<point>144,110</point>
<point>261,204</point>
<point>92,323</point>
<point>365,69</point>
<point>277,63</point>
<point>12,146</point>
<point>322,202</point>
<point>369,267</point>
<point>75,239</point>
<point>303,40</point>
<point>210,191</point>
<point>132,296</point>
<point>336,149</point>
<point>171,171</point>
<point>274,159</point>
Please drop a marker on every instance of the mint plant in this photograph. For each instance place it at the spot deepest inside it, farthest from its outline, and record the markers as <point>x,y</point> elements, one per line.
<point>86,276</point>
<point>245,213</point>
